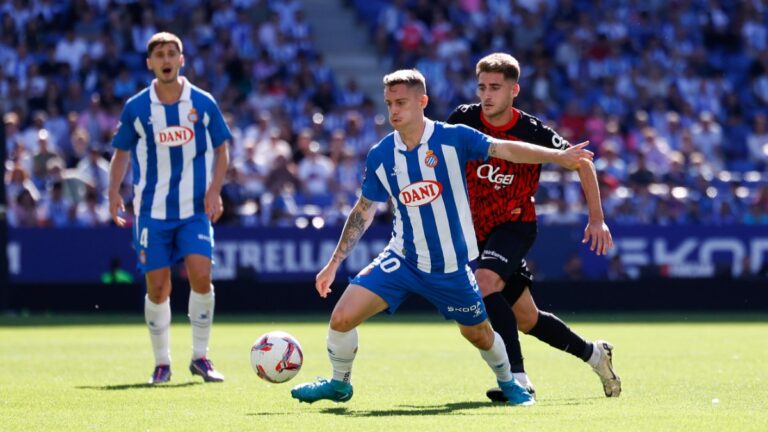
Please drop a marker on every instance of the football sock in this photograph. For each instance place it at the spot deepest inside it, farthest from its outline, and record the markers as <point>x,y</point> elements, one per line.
<point>594,356</point>
<point>523,379</point>
<point>504,323</point>
<point>551,330</point>
<point>158,319</point>
<point>201,318</point>
<point>496,357</point>
<point>342,348</point>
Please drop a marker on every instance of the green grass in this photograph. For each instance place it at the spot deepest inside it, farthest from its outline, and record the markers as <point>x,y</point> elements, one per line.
<point>413,373</point>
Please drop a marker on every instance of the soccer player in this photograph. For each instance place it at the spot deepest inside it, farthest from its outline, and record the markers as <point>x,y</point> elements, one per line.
<point>501,198</point>
<point>420,168</point>
<point>176,138</point>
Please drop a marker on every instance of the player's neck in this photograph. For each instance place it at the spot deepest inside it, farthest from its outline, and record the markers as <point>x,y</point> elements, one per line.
<point>500,119</point>
<point>412,136</point>
<point>170,92</point>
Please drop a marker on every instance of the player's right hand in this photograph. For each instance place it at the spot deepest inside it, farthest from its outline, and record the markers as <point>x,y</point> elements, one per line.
<point>116,205</point>
<point>571,157</point>
<point>325,278</point>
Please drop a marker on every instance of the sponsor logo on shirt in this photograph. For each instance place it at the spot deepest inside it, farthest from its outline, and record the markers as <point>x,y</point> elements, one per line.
<point>492,174</point>
<point>174,136</point>
<point>420,193</point>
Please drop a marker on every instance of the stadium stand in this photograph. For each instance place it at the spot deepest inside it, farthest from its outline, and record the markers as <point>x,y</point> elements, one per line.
<point>672,94</point>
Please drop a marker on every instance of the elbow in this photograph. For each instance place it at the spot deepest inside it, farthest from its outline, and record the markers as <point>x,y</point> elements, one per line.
<point>585,166</point>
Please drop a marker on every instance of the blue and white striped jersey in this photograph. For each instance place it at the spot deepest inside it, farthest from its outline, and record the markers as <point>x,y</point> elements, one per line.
<point>172,148</point>
<point>427,185</point>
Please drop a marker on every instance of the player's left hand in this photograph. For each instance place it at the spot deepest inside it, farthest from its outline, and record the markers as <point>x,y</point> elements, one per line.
<point>572,157</point>
<point>600,236</point>
<point>214,207</point>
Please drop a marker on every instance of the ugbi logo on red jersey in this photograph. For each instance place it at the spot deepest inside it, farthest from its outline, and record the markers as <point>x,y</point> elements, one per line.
<point>174,136</point>
<point>420,193</point>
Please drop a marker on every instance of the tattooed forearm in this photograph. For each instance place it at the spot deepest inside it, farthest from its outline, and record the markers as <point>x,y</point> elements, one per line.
<point>356,225</point>
<point>492,150</point>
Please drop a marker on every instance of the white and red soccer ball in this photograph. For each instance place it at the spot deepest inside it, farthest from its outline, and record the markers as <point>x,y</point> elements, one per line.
<point>276,357</point>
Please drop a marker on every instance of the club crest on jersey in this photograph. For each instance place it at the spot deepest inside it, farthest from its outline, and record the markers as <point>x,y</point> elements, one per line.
<point>420,193</point>
<point>431,160</point>
<point>192,116</point>
<point>174,136</point>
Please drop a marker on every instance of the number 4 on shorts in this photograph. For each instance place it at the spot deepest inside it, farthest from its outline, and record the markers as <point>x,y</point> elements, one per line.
<point>144,238</point>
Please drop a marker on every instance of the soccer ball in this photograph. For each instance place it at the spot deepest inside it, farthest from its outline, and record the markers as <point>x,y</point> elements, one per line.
<point>276,357</point>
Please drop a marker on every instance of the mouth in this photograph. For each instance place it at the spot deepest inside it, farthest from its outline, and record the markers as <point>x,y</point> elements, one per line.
<point>167,70</point>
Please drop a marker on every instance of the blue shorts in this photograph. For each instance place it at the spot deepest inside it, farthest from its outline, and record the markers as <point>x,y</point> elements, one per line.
<point>455,295</point>
<point>161,243</point>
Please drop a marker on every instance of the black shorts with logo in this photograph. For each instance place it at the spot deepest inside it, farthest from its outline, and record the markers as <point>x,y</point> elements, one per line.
<point>504,252</point>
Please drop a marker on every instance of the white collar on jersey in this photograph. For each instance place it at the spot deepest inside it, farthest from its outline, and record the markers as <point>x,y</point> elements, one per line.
<point>429,129</point>
<point>186,91</point>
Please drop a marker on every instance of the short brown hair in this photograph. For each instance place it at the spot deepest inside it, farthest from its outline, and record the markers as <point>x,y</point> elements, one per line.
<point>499,63</point>
<point>410,77</point>
<point>163,38</point>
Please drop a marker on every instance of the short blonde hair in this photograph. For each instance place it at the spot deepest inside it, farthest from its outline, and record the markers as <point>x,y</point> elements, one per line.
<point>501,63</point>
<point>410,77</point>
<point>163,38</point>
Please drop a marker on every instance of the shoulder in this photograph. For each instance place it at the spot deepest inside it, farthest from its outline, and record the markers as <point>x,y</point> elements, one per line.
<point>443,129</point>
<point>199,94</point>
<point>379,150</point>
<point>530,124</point>
<point>138,100</point>
<point>465,113</point>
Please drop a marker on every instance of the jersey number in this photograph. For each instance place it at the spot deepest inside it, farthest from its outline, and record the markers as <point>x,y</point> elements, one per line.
<point>388,265</point>
<point>144,238</point>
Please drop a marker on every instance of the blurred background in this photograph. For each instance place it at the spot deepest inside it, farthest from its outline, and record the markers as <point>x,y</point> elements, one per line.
<point>673,96</point>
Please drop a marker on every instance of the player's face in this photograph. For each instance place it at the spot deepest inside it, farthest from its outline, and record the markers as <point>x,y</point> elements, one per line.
<point>405,106</point>
<point>496,93</point>
<point>165,61</point>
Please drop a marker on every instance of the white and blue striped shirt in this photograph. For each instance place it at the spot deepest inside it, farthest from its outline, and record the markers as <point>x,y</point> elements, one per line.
<point>427,185</point>
<point>172,147</point>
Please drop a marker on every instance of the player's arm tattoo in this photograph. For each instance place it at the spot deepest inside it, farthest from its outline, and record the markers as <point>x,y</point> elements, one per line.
<point>357,223</point>
<point>492,149</point>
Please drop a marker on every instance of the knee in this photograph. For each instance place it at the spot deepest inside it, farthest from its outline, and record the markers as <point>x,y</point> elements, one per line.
<point>200,279</point>
<point>157,293</point>
<point>527,319</point>
<point>341,321</point>
<point>489,282</point>
<point>481,336</point>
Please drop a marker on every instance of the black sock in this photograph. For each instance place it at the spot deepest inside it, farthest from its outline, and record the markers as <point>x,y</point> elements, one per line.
<point>551,330</point>
<point>505,324</point>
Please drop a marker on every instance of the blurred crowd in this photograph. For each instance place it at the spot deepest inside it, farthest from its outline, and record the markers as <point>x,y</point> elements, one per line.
<point>672,94</point>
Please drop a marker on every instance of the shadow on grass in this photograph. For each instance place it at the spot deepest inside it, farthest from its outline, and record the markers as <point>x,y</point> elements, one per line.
<point>409,410</point>
<point>138,386</point>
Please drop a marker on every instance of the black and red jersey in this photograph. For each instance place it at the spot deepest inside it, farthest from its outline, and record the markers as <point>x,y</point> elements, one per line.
<point>502,191</point>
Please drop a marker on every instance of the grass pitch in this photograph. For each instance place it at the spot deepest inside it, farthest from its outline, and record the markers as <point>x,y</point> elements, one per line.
<point>413,373</point>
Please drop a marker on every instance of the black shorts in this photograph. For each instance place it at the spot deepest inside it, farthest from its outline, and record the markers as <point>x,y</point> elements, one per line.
<point>504,252</point>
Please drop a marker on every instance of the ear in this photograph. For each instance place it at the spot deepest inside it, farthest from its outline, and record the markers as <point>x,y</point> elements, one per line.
<point>423,101</point>
<point>148,66</point>
<point>515,90</point>
<point>181,59</point>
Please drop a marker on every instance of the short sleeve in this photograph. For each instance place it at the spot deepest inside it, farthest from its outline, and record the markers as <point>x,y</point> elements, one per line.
<point>372,188</point>
<point>217,127</point>
<point>125,137</point>
<point>473,143</point>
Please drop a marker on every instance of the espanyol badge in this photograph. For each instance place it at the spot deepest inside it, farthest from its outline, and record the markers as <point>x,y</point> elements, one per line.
<point>431,160</point>
<point>142,257</point>
<point>192,116</point>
